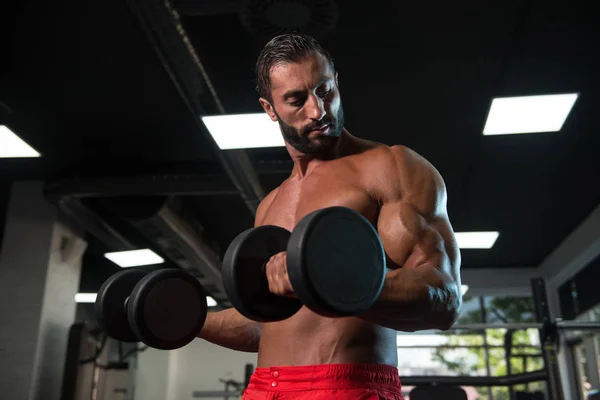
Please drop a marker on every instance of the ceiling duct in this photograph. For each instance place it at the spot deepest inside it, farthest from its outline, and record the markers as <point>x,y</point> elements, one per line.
<point>272,17</point>
<point>268,18</point>
<point>160,22</point>
<point>149,205</point>
<point>199,8</point>
<point>180,238</point>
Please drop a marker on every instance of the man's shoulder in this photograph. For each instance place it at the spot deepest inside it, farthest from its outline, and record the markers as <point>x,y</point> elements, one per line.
<point>396,157</point>
<point>409,160</point>
<point>394,170</point>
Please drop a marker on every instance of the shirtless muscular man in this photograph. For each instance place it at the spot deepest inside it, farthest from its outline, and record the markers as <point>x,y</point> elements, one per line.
<point>308,355</point>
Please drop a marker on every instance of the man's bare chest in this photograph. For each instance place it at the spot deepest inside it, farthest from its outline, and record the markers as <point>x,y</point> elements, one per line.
<point>296,199</point>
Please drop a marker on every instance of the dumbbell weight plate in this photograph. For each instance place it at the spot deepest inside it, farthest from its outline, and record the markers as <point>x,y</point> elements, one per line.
<point>167,309</point>
<point>110,304</point>
<point>336,262</point>
<point>245,281</point>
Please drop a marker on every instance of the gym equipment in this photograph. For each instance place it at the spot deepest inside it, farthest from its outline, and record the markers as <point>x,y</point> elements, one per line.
<point>111,304</point>
<point>438,392</point>
<point>244,276</point>
<point>335,262</point>
<point>238,387</point>
<point>529,396</point>
<point>549,331</point>
<point>593,395</point>
<point>164,309</point>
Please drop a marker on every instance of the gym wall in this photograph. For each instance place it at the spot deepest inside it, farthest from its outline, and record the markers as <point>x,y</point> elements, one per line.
<point>151,375</point>
<point>173,375</point>
<point>4,195</point>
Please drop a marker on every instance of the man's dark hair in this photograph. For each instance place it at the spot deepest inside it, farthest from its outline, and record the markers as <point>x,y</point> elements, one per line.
<point>289,47</point>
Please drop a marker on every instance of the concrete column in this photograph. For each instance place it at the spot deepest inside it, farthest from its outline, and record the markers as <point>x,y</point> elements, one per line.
<point>40,264</point>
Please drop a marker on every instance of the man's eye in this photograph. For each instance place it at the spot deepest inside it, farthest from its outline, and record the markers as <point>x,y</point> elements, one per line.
<point>297,103</point>
<point>324,93</point>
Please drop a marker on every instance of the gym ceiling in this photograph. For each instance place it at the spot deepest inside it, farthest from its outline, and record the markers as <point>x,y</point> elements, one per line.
<point>111,95</point>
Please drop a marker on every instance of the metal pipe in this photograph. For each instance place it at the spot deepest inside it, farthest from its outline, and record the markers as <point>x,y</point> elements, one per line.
<point>524,367</point>
<point>548,339</point>
<point>578,325</point>
<point>478,381</point>
<point>562,325</point>
<point>141,185</point>
<point>508,338</point>
<point>526,356</point>
<point>467,346</point>
<point>515,326</point>
<point>486,345</point>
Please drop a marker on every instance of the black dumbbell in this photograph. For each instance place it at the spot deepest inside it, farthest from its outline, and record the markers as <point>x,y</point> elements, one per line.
<point>164,309</point>
<point>335,261</point>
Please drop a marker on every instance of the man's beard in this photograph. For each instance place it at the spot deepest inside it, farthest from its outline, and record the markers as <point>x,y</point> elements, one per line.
<point>299,139</point>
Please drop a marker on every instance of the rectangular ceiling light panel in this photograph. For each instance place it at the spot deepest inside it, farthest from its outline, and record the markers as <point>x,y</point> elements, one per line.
<point>528,114</point>
<point>476,240</point>
<point>12,146</point>
<point>134,258</point>
<point>244,131</point>
<point>85,297</point>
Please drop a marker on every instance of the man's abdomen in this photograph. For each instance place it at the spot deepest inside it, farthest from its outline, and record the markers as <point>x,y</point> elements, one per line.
<point>309,339</point>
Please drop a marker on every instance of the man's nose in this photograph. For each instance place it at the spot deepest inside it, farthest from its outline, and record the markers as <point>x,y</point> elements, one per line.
<point>315,108</point>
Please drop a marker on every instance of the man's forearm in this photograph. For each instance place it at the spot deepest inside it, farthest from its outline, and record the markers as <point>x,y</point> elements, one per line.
<point>229,328</point>
<point>416,299</point>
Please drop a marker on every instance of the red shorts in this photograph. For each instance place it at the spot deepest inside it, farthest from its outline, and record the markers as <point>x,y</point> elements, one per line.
<point>337,381</point>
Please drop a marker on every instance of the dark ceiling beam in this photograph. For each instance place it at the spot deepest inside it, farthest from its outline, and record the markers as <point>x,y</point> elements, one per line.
<point>160,23</point>
<point>197,8</point>
<point>146,185</point>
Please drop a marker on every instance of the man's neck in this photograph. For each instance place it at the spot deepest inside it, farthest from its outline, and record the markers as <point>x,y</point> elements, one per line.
<point>305,163</point>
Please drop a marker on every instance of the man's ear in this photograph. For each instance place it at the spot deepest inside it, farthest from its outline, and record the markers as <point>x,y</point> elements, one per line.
<point>268,108</point>
<point>336,80</point>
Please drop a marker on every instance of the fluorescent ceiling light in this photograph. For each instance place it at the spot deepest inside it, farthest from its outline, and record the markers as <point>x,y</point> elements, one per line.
<point>12,146</point>
<point>528,114</point>
<point>476,240</point>
<point>210,301</point>
<point>134,258</point>
<point>464,289</point>
<point>244,131</point>
<point>85,297</point>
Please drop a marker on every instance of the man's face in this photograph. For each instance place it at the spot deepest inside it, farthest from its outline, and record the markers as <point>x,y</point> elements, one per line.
<point>306,104</point>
